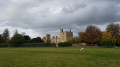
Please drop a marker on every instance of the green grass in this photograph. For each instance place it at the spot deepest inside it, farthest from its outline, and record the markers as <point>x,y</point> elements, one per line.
<point>59,57</point>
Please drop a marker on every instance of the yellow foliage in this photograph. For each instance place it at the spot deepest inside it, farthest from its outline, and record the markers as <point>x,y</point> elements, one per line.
<point>106,36</point>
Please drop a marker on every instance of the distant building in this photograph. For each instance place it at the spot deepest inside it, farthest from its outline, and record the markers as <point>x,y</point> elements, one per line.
<point>64,37</point>
<point>47,38</point>
<point>44,39</point>
<point>55,39</point>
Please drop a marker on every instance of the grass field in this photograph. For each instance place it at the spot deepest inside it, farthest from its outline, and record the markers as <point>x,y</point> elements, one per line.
<point>59,57</point>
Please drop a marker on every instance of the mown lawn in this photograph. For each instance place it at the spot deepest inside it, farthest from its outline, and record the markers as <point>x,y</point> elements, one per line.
<point>59,57</point>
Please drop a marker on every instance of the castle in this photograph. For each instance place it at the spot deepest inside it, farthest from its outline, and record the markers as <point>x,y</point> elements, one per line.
<point>64,37</point>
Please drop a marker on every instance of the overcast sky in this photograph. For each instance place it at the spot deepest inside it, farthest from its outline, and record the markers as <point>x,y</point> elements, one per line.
<point>40,17</point>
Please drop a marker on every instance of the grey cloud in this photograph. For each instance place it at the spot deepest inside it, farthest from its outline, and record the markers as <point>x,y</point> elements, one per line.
<point>73,9</point>
<point>51,15</point>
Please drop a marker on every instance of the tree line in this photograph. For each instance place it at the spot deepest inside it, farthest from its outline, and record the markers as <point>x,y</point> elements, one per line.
<point>92,36</point>
<point>18,38</point>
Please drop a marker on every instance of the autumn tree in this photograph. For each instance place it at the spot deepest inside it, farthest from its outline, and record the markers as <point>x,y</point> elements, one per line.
<point>113,28</point>
<point>5,35</point>
<point>117,38</point>
<point>107,39</point>
<point>91,35</point>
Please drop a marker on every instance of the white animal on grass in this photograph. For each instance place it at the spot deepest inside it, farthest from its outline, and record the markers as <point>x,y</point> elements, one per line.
<point>84,44</point>
<point>82,49</point>
<point>116,47</point>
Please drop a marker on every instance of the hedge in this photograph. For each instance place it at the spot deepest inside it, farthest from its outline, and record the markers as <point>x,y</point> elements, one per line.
<point>38,45</point>
<point>4,44</point>
<point>64,44</point>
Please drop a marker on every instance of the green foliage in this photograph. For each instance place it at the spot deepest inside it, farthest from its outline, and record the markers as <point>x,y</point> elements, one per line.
<point>27,39</point>
<point>64,44</point>
<point>16,40</point>
<point>37,40</point>
<point>108,43</point>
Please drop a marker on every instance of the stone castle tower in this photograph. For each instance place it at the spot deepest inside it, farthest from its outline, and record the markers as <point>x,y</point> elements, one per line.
<point>48,38</point>
<point>65,36</point>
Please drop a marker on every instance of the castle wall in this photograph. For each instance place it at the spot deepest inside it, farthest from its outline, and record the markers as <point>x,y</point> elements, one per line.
<point>55,40</point>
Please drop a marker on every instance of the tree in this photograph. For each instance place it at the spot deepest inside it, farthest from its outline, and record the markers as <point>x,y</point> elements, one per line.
<point>17,39</point>
<point>91,35</point>
<point>107,39</point>
<point>75,40</point>
<point>117,38</point>
<point>113,28</point>
<point>1,39</point>
<point>5,35</point>
<point>37,40</point>
<point>16,32</point>
<point>27,38</point>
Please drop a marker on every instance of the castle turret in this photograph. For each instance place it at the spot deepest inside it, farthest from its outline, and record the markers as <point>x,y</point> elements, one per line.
<point>61,35</point>
<point>70,29</point>
<point>61,30</point>
<point>48,38</point>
